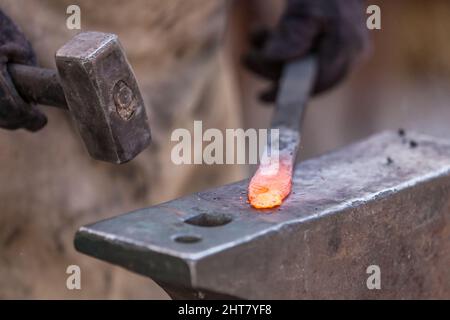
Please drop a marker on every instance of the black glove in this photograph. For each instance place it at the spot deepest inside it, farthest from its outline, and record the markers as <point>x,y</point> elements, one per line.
<point>15,113</point>
<point>334,29</point>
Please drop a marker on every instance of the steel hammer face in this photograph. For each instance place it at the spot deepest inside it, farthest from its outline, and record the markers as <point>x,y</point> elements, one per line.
<point>103,96</point>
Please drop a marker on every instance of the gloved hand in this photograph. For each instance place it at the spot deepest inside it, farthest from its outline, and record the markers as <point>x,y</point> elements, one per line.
<point>334,29</point>
<point>15,113</point>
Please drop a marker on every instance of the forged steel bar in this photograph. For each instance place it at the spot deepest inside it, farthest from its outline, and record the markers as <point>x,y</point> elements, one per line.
<point>381,202</point>
<point>295,89</point>
<point>271,182</point>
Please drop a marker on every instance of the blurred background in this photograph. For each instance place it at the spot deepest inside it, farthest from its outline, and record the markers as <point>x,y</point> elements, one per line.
<point>186,55</point>
<point>403,83</point>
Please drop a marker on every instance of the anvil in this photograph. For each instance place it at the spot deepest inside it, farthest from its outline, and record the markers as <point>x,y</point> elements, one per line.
<point>383,201</point>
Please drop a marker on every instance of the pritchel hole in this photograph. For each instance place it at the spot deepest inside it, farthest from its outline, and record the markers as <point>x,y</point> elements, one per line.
<point>209,220</point>
<point>187,238</point>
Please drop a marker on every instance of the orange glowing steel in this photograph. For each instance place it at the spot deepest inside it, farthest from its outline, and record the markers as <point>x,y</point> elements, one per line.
<point>270,184</point>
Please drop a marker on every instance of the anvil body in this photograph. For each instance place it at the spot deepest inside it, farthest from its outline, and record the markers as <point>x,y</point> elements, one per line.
<point>384,201</point>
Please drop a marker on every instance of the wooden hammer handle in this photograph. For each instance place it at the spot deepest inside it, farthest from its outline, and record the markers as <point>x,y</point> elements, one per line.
<point>38,85</point>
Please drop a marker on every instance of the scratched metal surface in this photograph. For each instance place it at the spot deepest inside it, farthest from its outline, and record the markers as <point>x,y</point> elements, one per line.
<point>348,209</point>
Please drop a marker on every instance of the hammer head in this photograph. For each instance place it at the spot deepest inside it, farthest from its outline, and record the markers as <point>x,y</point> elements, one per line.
<point>103,96</point>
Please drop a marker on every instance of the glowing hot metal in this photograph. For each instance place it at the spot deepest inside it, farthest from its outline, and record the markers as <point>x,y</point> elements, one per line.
<point>272,182</point>
<point>269,187</point>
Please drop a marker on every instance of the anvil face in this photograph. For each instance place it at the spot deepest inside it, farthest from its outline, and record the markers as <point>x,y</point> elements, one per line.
<point>382,201</point>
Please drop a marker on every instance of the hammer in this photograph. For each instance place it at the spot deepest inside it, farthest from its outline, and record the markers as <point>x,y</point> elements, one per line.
<point>95,82</point>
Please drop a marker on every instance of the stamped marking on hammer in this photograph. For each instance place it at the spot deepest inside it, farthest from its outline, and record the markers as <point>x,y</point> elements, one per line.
<point>124,100</point>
